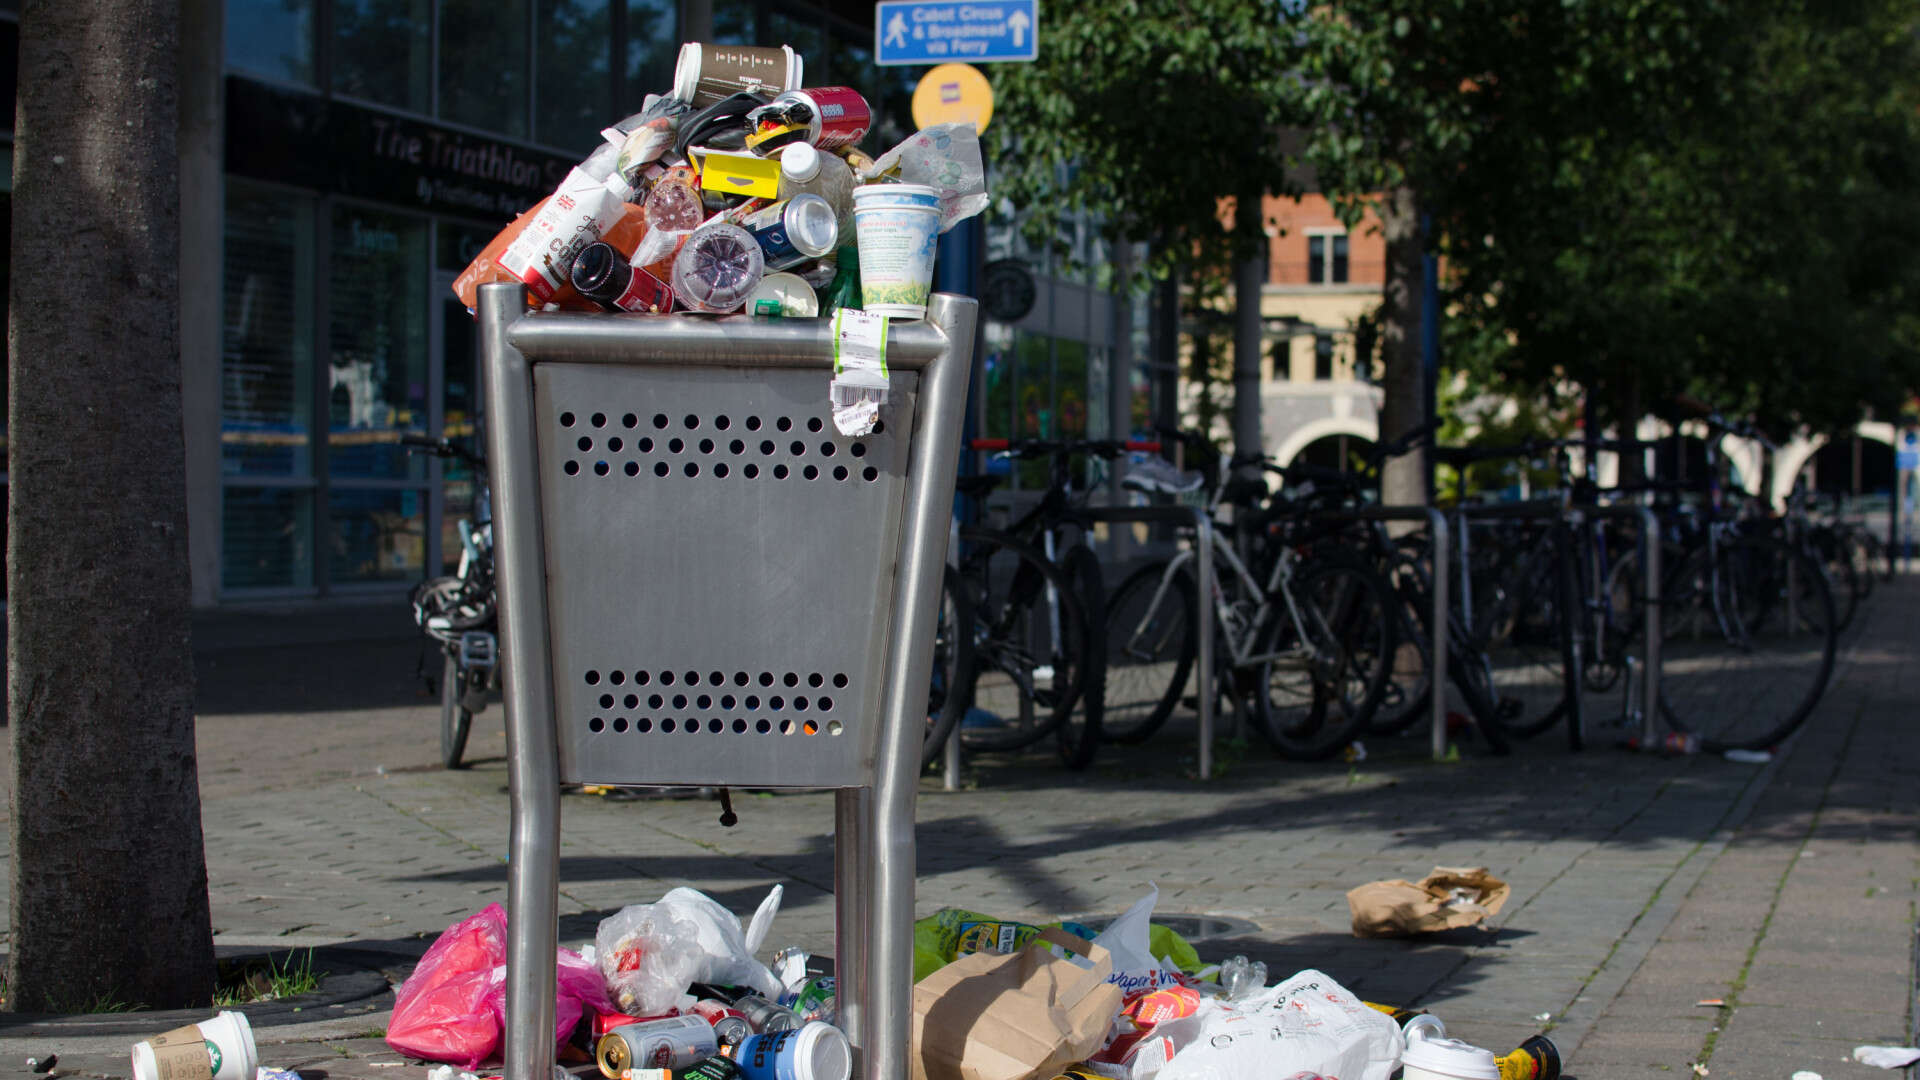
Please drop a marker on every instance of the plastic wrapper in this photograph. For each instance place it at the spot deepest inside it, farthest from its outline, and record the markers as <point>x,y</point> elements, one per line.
<point>945,157</point>
<point>1129,938</point>
<point>645,136</point>
<point>651,953</point>
<point>453,1007</point>
<point>1308,1023</point>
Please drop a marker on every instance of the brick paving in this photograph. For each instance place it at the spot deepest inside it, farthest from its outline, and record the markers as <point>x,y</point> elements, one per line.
<point>1640,885</point>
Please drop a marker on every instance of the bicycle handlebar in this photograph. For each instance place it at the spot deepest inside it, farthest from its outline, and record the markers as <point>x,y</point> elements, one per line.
<point>442,447</point>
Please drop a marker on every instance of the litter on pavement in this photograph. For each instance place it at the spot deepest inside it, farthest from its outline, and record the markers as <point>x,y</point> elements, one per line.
<point>675,990</point>
<point>1886,1057</point>
<point>1446,899</point>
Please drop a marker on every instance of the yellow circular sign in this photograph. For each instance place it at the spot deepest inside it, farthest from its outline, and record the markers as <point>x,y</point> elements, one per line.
<point>953,94</point>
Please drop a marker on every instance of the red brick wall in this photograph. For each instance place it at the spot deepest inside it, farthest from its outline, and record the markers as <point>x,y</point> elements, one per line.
<point>1287,252</point>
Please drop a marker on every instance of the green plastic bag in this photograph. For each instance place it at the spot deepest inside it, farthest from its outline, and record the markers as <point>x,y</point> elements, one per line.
<point>950,933</point>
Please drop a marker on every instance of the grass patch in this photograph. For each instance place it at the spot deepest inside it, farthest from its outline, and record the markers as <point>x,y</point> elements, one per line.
<point>244,982</point>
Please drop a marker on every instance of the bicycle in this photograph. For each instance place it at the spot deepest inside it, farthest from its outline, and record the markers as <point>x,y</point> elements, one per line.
<point>1036,603</point>
<point>1304,649</point>
<point>459,611</point>
<point>1749,625</point>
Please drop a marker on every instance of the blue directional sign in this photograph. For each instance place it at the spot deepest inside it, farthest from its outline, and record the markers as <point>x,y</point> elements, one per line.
<point>966,31</point>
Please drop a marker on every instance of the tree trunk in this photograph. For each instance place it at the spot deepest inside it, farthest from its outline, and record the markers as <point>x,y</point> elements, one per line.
<point>1248,278</point>
<point>1403,480</point>
<point>109,880</point>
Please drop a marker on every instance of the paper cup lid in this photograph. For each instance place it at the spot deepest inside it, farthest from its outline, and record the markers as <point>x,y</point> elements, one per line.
<point>825,1051</point>
<point>1451,1057</point>
<point>812,226</point>
<point>686,72</point>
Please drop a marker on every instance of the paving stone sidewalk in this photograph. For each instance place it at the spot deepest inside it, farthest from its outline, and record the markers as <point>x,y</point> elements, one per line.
<point>1641,884</point>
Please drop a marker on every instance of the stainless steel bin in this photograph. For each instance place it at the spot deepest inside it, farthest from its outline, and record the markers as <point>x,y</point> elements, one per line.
<point>702,583</point>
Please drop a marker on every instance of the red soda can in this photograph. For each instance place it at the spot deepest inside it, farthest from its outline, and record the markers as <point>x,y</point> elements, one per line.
<point>730,1025</point>
<point>829,117</point>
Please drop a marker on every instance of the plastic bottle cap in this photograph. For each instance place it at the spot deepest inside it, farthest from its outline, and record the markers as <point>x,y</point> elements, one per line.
<point>1449,1058</point>
<point>800,162</point>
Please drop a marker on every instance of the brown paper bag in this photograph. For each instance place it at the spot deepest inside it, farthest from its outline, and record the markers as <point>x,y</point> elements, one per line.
<point>1449,897</point>
<point>1013,1016</point>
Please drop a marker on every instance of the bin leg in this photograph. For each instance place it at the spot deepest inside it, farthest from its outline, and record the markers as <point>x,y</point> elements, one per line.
<point>852,831</point>
<point>533,769</point>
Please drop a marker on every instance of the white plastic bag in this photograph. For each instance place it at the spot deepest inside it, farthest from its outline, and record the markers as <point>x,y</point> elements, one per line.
<point>648,958</point>
<point>651,952</point>
<point>1135,969</point>
<point>1308,1023</point>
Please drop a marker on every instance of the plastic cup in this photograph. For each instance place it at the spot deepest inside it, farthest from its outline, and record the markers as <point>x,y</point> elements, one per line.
<point>813,1051</point>
<point>899,229</point>
<point>221,1048</point>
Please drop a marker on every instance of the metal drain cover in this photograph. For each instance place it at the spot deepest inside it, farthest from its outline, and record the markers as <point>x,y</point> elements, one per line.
<point>1191,927</point>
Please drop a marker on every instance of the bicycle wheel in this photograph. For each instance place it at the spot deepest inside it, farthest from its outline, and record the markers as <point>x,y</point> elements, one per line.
<point>1078,736</point>
<point>1409,688</point>
<point>1312,704</point>
<point>1150,650</point>
<point>1747,640</point>
<point>951,684</point>
<point>1029,646</point>
<point>456,721</point>
<point>1534,643</point>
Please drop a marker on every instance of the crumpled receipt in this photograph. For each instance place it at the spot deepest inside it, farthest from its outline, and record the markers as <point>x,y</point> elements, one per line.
<point>859,385</point>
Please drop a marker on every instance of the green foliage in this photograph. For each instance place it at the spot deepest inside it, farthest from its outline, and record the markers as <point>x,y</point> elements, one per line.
<point>1632,197</point>
<point>289,977</point>
<point>1143,112</point>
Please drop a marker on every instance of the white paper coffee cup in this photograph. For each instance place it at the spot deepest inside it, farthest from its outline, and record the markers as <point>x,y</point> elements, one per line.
<point>218,1049</point>
<point>899,231</point>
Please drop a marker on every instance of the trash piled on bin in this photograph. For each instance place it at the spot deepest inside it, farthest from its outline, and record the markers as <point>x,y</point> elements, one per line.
<point>741,191</point>
<point>674,990</point>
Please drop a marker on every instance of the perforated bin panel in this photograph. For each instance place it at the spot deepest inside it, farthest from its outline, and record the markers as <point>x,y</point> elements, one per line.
<point>720,562</point>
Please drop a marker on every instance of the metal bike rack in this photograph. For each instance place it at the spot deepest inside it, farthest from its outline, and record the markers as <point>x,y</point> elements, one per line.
<point>1436,523</point>
<point>1646,544</point>
<point>681,528</point>
<point>1203,649</point>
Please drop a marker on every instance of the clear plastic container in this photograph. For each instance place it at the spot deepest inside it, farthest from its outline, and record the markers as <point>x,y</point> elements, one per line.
<point>717,269</point>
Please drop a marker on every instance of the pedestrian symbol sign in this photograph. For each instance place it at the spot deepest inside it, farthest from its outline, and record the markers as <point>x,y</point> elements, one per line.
<point>939,32</point>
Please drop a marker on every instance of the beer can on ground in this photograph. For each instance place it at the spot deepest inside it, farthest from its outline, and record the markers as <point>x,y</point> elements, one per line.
<point>671,1043</point>
<point>765,1016</point>
<point>730,1025</point>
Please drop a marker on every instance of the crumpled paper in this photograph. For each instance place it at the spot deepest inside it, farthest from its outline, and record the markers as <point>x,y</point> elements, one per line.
<point>1448,898</point>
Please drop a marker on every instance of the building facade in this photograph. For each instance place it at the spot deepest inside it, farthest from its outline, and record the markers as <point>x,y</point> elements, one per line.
<point>342,161</point>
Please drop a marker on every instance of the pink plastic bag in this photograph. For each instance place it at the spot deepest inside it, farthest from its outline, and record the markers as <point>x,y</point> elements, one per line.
<point>453,1007</point>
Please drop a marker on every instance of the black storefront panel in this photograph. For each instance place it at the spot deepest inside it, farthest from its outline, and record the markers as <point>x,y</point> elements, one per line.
<point>334,146</point>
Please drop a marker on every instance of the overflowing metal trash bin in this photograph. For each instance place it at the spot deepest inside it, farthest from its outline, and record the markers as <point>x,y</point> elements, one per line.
<point>703,583</point>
